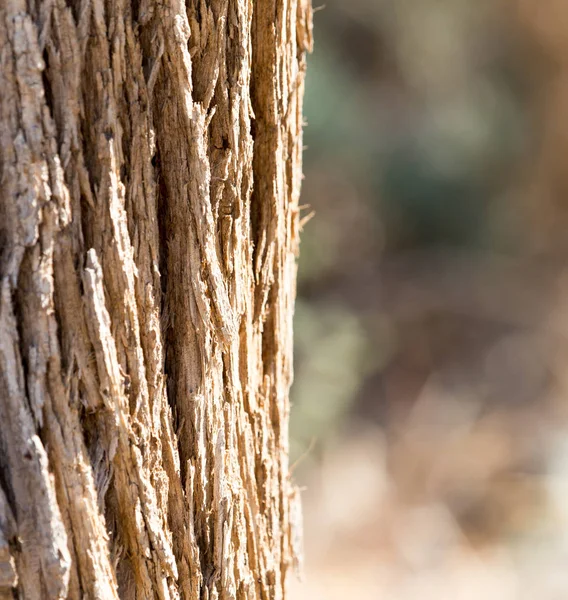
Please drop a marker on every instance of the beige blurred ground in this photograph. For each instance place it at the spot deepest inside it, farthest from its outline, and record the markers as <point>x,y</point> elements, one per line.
<point>430,417</point>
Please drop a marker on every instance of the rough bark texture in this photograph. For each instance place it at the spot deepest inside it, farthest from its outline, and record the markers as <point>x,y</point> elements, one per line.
<point>150,168</point>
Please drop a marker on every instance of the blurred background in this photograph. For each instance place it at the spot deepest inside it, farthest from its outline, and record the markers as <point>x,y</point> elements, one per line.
<point>430,405</point>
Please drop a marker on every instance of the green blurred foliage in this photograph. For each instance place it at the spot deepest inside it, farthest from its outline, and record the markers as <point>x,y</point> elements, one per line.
<point>415,117</point>
<point>333,352</point>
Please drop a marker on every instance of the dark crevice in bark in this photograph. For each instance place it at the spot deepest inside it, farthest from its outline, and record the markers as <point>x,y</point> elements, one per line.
<point>48,94</point>
<point>89,422</point>
<point>88,147</point>
<point>193,11</point>
<point>260,472</point>
<point>255,200</point>
<point>161,209</point>
<point>135,8</point>
<point>18,300</point>
<point>5,478</point>
<point>75,6</point>
<point>262,173</point>
<point>268,343</point>
<point>85,231</point>
<point>124,176</point>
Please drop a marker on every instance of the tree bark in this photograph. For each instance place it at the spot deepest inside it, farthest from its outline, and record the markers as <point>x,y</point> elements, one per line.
<point>150,169</point>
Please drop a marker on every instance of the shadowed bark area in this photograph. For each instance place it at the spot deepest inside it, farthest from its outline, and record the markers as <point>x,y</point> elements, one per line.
<point>150,169</point>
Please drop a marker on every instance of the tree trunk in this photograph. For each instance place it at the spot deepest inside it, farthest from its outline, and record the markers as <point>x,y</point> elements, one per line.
<point>150,168</point>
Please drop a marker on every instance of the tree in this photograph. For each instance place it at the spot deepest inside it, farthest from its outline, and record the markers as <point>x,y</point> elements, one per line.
<point>150,168</point>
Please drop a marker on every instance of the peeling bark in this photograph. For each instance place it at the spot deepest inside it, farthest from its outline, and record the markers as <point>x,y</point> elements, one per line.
<point>150,170</point>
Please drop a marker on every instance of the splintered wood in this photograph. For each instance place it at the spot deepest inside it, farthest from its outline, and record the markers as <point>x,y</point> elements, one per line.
<point>150,170</point>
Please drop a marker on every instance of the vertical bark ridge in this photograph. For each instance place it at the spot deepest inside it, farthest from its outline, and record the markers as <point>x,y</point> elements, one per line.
<point>150,168</point>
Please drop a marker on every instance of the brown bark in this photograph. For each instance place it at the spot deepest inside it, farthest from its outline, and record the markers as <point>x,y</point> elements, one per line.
<point>150,168</point>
